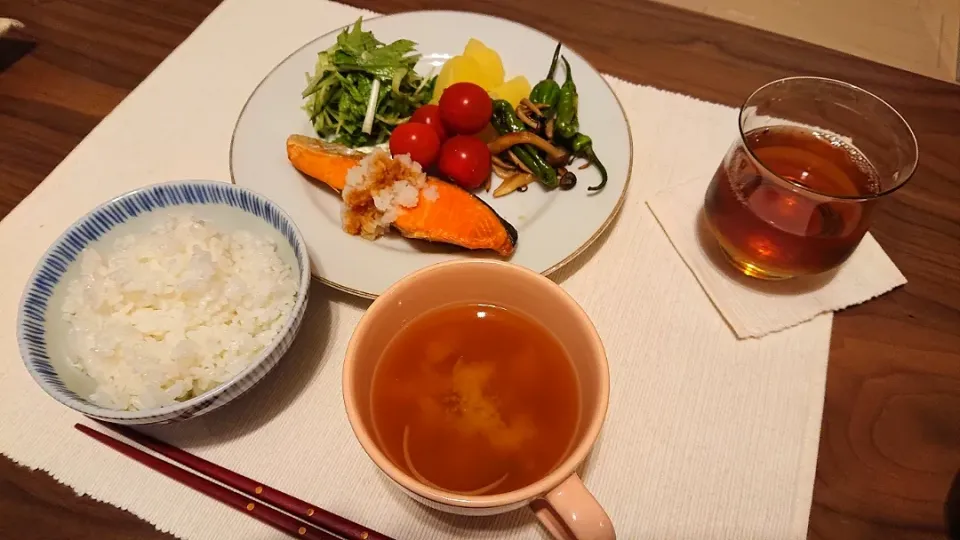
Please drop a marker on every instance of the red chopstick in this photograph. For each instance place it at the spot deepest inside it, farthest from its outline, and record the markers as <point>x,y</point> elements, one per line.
<point>274,518</point>
<point>294,526</point>
<point>297,507</point>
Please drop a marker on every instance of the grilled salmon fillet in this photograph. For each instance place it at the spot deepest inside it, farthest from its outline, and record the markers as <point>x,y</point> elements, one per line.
<point>455,216</point>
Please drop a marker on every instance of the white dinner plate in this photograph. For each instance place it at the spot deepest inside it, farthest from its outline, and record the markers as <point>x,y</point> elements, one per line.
<point>553,226</point>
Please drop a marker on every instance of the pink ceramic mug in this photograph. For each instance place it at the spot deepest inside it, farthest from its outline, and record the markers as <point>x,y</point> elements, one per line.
<point>560,500</point>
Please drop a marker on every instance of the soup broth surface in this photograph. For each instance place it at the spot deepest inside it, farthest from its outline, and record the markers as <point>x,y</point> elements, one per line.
<point>475,399</point>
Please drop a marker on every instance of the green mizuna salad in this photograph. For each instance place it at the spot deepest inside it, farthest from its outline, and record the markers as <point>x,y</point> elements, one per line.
<point>362,88</point>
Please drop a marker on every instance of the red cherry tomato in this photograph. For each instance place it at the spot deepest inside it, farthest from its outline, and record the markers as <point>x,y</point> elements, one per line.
<point>466,160</point>
<point>430,115</point>
<point>465,108</point>
<point>418,140</point>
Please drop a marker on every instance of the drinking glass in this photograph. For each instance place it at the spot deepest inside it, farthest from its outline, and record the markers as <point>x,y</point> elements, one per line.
<point>796,192</point>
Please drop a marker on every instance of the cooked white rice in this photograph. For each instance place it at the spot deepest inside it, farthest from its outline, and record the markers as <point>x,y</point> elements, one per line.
<point>170,314</point>
<point>378,189</point>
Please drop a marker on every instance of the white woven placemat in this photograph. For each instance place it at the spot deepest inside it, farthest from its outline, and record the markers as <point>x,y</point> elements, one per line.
<point>707,436</point>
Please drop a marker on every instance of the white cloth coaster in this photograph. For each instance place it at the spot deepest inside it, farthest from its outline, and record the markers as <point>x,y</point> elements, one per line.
<point>754,307</point>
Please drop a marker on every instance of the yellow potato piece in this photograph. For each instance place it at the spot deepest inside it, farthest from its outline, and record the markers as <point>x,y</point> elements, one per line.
<point>458,69</point>
<point>513,90</point>
<point>489,61</point>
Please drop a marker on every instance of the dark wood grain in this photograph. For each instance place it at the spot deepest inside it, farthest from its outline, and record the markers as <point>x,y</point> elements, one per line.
<point>73,64</point>
<point>33,506</point>
<point>890,445</point>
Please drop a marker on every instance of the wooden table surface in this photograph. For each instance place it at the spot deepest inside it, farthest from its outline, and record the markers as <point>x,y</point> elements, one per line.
<point>890,443</point>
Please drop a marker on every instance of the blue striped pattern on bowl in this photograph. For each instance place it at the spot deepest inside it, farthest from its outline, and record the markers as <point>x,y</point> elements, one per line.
<point>31,322</point>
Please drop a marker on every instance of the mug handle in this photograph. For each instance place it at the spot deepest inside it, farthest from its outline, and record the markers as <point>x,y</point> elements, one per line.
<point>570,512</point>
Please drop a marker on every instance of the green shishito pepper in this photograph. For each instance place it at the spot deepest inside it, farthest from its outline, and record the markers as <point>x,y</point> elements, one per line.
<point>547,91</point>
<point>505,121</point>
<point>582,146</point>
<point>567,122</point>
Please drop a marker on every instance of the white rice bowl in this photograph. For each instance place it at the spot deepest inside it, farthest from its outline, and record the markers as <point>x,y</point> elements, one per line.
<point>163,316</point>
<point>104,348</point>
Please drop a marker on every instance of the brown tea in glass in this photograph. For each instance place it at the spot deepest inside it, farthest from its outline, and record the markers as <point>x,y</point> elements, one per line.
<point>794,196</point>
